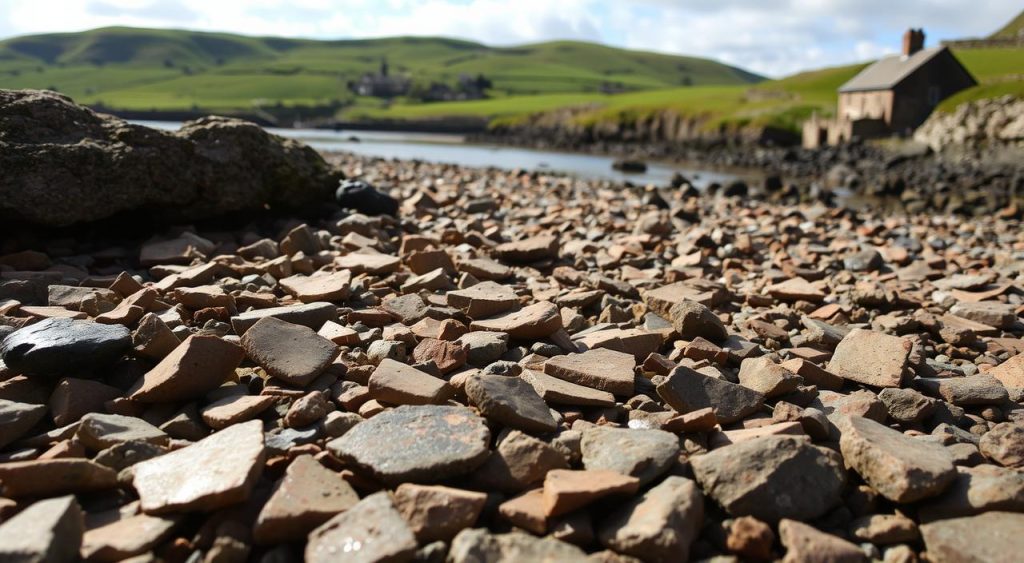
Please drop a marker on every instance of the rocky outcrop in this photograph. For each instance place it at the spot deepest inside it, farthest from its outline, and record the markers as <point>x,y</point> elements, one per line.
<point>65,164</point>
<point>983,122</point>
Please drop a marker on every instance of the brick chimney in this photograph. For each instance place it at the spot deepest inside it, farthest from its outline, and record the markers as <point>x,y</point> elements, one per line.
<point>913,41</point>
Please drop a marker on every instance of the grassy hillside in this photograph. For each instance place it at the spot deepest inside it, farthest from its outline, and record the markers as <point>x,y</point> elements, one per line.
<point>1012,29</point>
<point>132,68</point>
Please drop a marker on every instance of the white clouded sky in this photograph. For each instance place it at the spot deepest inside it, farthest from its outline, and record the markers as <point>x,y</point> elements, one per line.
<point>772,37</point>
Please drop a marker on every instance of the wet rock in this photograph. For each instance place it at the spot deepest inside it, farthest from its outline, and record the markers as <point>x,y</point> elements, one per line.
<point>49,530</point>
<point>686,390</point>
<point>232,461</point>
<point>292,353</point>
<point>372,530</point>
<point>605,370</point>
<point>644,454</point>
<point>511,402</point>
<point>391,445</point>
<point>307,496</point>
<point>771,478</point>
<point>871,358</point>
<point>660,525</point>
<point>53,347</point>
<point>901,468</point>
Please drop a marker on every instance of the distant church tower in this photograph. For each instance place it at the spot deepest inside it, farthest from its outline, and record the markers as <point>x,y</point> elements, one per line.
<point>384,66</point>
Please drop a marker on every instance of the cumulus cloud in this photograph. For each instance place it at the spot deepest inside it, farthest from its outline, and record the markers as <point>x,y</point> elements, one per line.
<point>772,37</point>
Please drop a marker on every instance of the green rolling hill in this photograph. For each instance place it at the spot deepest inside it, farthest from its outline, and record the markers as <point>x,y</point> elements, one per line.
<point>130,68</point>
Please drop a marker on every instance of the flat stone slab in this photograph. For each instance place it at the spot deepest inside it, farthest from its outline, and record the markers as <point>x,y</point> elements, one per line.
<point>52,477</point>
<point>644,454</point>
<point>532,249</point>
<point>566,490</point>
<point>419,444</point>
<point>234,409</point>
<point>1010,372</point>
<point>99,431</point>
<point>55,347</point>
<point>992,536</point>
<point>292,353</point>
<point>371,531</point>
<point>47,531</point>
<point>437,513</point>
<point>602,369</point>
<point>377,264</point>
<point>231,462</point>
<point>475,545</point>
<point>532,322</point>
<point>510,401</point>
<point>333,286</point>
<point>127,537</point>
<point>772,477</point>
<point>561,392</point>
<point>980,389</point>
<point>872,358</point>
<point>796,289</point>
<point>18,418</point>
<point>400,384</point>
<point>484,299</point>
<point>687,390</point>
<point>804,542</point>
<point>197,366</point>
<point>900,468</point>
<point>312,315</point>
<point>308,495</point>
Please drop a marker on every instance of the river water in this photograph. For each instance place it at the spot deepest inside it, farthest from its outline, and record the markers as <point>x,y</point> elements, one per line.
<point>452,149</point>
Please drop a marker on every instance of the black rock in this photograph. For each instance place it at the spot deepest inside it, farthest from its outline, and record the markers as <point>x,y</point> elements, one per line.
<point>630,166</point>
<point>364,198</point>
<point>60,347</point>
<point>737,188</point>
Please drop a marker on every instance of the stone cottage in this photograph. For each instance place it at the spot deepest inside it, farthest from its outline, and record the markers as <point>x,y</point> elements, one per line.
<point>893,95</point>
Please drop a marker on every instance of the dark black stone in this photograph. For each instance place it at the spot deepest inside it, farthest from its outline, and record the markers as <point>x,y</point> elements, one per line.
<point>364,198</point>
<point>61,347</point>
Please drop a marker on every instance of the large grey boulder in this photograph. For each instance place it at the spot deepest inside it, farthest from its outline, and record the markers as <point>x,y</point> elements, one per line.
<point>64,164</point>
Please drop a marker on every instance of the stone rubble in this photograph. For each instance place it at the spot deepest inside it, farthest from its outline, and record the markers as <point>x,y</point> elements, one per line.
<point>518,366</point>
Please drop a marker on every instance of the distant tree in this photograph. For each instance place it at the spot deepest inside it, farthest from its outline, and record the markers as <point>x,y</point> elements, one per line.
<point>52,88</point>
<point>169,63</point>
<point>483,83</point>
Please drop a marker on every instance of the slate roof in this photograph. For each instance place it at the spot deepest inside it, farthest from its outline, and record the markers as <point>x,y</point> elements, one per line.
<point>887,72</point>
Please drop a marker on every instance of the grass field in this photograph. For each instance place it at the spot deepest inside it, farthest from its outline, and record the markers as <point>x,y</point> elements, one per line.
<point>130,68</point>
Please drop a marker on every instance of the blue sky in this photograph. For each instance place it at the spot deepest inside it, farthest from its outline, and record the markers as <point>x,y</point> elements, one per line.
<point>772,37</point>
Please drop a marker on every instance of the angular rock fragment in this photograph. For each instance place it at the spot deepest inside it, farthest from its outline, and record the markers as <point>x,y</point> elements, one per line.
<point>644,454</point>
<point>484,299</point>
<point>687,390</point>
<point>566,490</point>
<point>518,462</point>
<point>991,536</point>
<point>392,446</point>
<point>529,323</point>
<point>605,370</point>
<point>101,431</point>
<point>660,525</point>
<point>52,347</point>
<point>806,543</point>
<point>561,392</point>
<point>126,537</point>
<point>231,462</point>
<point>372,530</point>
<point>320,287</point>
<point>901,468</point>
<point>51,477</point>
<point>308,495</point>
<point>400,384</point>
<point>436,513</point>
<point>511,402</point>
<point>311,315</point>
<point>871,358</point>
<point>477,545</point>
<point>49,530</point>
<point>16,419</point>
<point>771,478</point>
<point>200,364</point>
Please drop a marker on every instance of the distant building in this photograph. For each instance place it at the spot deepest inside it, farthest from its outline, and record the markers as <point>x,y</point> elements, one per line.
<point>893,95</point>
<point>382,84</point>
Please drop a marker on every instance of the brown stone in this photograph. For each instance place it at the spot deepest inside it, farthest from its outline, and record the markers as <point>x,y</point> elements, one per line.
<point>373,530</point>
<point>308,495</point>
<point>871,358</point>
<point>529,250</point>
<point>48,531</point>
<point>231,462</point>
<point>529,323</point>
<point>447,356</point>
<point>437,513</point>
<point>54,477</point>
<point>483,299</point>
<point>200,364</point>
<point>566,490</point>
<point>400,384</point>
<point>605,370</point>
<point>234,409</point>
<point>805,544</point>
<point>126,537</point>
<point>292,353</point>
<point>561,392</point>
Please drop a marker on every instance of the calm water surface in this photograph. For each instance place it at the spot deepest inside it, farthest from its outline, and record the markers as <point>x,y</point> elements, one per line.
<point>452,149</point>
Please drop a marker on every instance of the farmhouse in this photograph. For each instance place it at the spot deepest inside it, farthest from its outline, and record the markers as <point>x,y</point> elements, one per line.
<point>892,96</point>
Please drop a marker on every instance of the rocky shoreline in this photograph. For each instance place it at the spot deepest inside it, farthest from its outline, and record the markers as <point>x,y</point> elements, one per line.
<point>517,367</point>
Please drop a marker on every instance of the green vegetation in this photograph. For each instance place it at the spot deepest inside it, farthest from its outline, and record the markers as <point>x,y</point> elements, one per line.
<point>128,68</point>
<point>1011,30</point>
